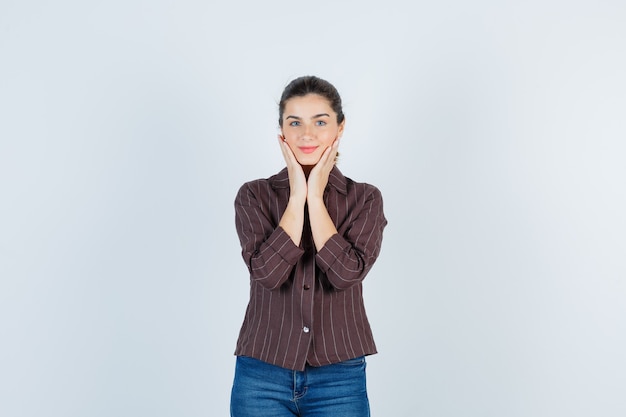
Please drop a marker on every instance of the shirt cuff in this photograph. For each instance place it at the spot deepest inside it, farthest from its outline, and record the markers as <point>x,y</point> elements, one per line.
<point>282,244</point>
<point>326,256</point>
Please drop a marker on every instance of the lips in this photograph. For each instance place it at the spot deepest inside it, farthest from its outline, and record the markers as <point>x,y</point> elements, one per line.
<point>307,149</point>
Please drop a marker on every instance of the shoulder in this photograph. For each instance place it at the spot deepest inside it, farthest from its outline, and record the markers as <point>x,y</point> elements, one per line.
<point>351,188</point>
<point>362,189</point>
<point>264,186</point>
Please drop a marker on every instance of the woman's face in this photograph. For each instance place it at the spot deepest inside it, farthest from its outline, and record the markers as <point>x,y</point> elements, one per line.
<point>309,127</point>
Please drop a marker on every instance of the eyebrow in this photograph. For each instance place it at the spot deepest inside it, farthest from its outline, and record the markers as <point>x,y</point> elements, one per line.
<point>314,117</point>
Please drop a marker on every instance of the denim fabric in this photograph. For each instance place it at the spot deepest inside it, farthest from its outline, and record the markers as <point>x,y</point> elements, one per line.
<point>264,390</point>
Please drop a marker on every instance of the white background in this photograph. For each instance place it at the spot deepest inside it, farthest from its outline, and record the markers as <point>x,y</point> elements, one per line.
<point>496,133</point>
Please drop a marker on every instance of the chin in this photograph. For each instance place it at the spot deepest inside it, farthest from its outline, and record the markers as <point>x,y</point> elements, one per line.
<point>308,161</point>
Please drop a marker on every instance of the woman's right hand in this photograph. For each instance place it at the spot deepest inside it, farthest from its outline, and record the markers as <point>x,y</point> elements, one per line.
<point>297,179</point>
<point>292,220</point>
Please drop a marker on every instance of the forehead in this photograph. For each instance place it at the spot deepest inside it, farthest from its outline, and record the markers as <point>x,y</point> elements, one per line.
<point>311,103</point>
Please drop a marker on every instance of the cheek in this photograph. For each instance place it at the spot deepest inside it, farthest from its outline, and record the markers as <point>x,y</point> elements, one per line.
<point>289,135</point>
<point>330,137</point>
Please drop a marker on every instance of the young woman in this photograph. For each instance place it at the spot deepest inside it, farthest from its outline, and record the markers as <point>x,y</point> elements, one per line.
<point>309,236</point>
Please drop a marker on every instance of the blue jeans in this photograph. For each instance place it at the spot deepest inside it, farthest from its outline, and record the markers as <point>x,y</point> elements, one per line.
<point>264,390</point>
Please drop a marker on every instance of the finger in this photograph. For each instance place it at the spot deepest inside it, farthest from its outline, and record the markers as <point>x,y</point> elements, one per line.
<point>329,155</point>
<point>335,147</point>
<point>323,162</point>
<point>281,143</point>
<point>286,150</point>
<point>327,152</point>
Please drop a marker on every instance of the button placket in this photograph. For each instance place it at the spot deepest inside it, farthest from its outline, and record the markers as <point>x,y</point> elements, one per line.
<point>307,276</point>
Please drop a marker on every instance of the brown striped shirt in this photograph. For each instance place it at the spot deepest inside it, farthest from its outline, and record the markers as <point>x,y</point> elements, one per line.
<point>307,306</point>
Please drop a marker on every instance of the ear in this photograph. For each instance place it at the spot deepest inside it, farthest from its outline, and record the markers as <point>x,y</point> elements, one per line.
<point>341,126</point>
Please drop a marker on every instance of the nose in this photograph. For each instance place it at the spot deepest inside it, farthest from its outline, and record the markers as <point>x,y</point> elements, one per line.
<point>307,133</point>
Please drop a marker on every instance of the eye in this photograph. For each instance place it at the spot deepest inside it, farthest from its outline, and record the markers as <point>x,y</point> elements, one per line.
<point>320,123</point>
<point>294,123</point>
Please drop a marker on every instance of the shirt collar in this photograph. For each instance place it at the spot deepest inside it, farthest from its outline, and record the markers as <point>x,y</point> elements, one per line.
<point>336,180</point>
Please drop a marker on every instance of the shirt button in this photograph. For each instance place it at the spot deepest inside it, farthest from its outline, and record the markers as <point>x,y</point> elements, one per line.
<point>305,329</point>
<point>306,287</point>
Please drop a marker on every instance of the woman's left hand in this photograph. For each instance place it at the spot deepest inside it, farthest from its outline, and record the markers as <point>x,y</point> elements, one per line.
<point>318,178</point>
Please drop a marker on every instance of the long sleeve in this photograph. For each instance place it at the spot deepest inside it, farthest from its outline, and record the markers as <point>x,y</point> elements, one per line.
<point>347,256</point>
<point>267,250</point>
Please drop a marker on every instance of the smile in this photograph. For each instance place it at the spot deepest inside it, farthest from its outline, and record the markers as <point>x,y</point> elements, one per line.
<point>307,149</point>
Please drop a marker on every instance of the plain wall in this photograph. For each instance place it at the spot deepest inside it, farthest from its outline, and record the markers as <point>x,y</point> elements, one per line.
<point>495,131</point>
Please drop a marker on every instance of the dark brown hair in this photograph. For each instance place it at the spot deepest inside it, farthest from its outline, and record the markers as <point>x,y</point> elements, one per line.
<point>311,84</point>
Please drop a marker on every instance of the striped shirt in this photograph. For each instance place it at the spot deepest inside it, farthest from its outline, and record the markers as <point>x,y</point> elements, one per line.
<point>306,306</point>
